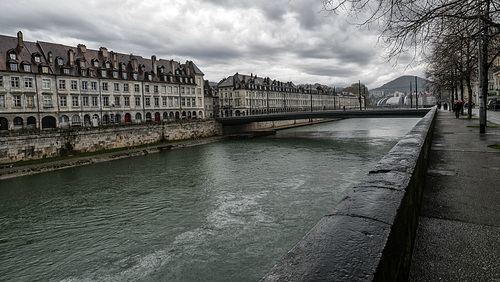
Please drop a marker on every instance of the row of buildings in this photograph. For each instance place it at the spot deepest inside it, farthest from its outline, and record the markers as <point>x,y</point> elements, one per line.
<point>47,85</point>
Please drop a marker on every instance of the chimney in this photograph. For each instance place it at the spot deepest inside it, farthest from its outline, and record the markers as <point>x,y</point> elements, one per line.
<point>114,58</point>
<point>134,62</point>
<point>20,42</point>
<point>82,48</point>
<point>104,52</point>
<point>153,64</point>
<point>172,67</point>
<point>71,57</point>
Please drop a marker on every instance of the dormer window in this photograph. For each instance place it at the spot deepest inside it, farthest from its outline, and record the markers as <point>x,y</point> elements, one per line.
<point>104,73</point>
<point>38,59</point>
<point>82,64</point>
<point>134,75</point>
<point>96,63</point>
<point>65,70</point>
<point>27,68</point>
<point>108,65</point>
<point>124,75</point>
<point>150,77</point>
<point>115,74</point>
<point>13,56</point>
<point>13,67</point>
<point>60,61</point>
<point>45,69</point>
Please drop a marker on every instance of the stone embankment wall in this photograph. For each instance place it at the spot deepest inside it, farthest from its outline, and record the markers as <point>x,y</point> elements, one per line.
<point>45,144</point>
<point>369,235</point>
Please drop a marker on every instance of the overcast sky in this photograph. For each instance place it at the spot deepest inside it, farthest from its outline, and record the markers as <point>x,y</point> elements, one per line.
<point>286,40</point>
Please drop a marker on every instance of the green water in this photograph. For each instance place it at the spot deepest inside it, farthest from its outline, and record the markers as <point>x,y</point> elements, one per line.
<point>219,212</point>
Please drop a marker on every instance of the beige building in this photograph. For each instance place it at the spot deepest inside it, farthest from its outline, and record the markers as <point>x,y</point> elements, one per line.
<point>48,85</point>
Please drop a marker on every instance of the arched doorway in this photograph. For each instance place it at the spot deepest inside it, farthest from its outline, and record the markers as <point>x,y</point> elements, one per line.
<point>118,118</point>
<point>31,122</point>
<point>157,116</point>
<point>188,115</point>
<point>177,115</point>
<point>105,119</point>
<point>200,114</point>
<point>86,120</point>
<point>75,120</point>
<point>165,115</point>
<point>18,123</point>
<point>95,120</point>
<point>48,122</point>
<point>4,123</point>
<point>128,118</point>
<point>148,117</point>
<point>138,117</point>
<point>193,114</point>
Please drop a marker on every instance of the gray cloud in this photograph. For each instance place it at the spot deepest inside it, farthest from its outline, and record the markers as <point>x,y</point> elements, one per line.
<point>283,39</point>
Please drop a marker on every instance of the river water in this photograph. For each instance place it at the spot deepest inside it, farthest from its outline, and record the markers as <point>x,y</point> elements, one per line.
<point>224,211</point>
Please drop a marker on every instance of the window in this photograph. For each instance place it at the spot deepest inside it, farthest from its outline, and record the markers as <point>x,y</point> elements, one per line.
<point>17,100</point>
<point>150,77</point>
<point>45,69</point>
<point>45,83</point>
<point>117,101</point>
<point>163,89</point>
<point>188,102</point>
<point>38,59</point>
<point>103,73</point>
<point>115,74</point>
<point>85,101</point>
<point>74,101</point>
<point>27,68</point>
<point>1,81</point>
<point>146,88</point>
<point>170,90</point>
<point>63,101</point>
<point>170,103</point>
<point>137,101</point>
<point>60,61</point>
<point>62,84</point>
<point>105,86</point>
<point>134,75</point>
<point>108,65</point>
<point>84,85</point>
<point>125,87</point>
<point>95,101</point>
<point>136,87</point>
<point>124,75</point>
<point>93,85</point>
<point>74,85</point>
<point>47,101</point>
<point>96,63</point>
<point>13,56</point>
<point>2,101</point>
<point>147,101</point>
<point>193,102</point>
<point>126,101</point>
<point>82,64</point>
<point>164,101</point>
<point>28,82</point>
<point>105,101</point>
<point>117,86</point>
<point>183,101</point>
<point>155,87</point>
<point>14,82</point>
<point>157,101</point>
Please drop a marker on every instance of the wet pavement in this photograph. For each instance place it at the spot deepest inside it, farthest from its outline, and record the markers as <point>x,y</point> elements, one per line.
<point>458,238</point>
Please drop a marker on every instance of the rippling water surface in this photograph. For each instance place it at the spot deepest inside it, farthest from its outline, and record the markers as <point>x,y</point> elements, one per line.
<point>219,212</point>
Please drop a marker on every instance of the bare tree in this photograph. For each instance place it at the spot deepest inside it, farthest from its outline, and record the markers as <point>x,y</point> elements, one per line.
<point>417,24</point>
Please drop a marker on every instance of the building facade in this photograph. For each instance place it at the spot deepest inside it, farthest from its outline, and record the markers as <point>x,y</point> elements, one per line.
<point>47,85</point>
<point>241,95</point>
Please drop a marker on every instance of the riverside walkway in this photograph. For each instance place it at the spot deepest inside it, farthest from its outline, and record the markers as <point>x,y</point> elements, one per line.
<point>458,236</point>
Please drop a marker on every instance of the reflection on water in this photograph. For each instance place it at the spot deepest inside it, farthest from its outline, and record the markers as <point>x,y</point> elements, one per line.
<point>219,212</point>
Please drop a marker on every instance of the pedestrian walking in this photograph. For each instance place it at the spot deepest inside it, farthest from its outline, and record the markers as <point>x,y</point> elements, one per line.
<point>459,105</point>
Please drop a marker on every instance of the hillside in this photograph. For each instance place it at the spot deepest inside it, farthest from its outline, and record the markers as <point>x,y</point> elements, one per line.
<point>401,84</point>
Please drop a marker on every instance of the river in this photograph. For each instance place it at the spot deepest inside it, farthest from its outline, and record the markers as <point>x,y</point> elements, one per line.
<point>225,211</point>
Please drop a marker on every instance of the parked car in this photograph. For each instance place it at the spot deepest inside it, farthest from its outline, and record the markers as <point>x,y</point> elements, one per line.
<point>493,105</point>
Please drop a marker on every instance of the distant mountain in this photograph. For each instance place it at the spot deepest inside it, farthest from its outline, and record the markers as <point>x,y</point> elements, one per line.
<point>401,84</point>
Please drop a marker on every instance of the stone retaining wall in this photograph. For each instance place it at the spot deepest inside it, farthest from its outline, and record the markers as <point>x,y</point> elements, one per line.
<point>369,235</point>
<point>45,144</point>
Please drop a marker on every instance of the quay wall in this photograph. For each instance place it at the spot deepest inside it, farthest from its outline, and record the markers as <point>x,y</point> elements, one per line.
<point>45,144</point>
<point>369,235</point>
